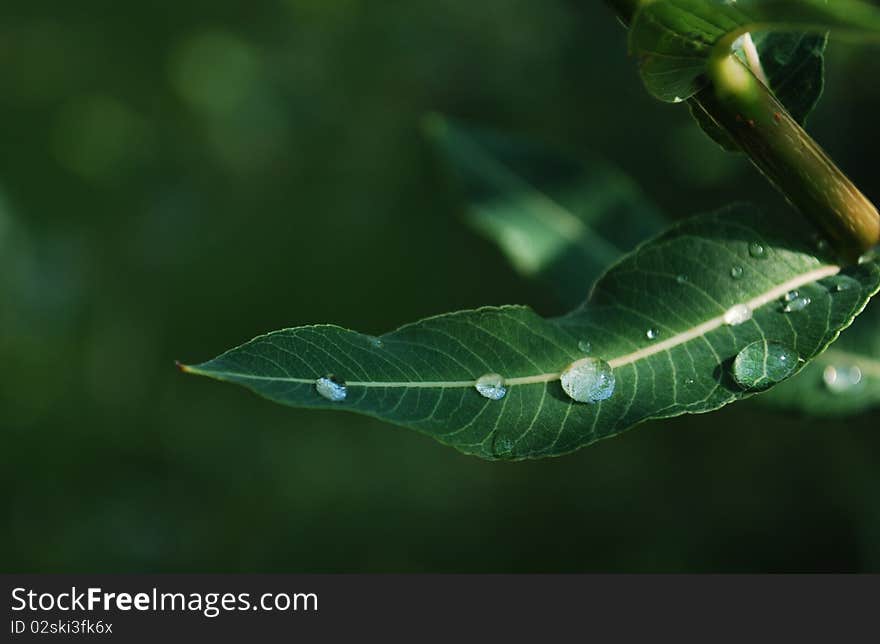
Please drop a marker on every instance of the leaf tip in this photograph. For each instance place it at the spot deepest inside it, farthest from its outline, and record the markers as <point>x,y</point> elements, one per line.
<point>184,368</point>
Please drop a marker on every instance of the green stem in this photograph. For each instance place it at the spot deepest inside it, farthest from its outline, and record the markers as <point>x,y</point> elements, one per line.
<point>783,152</point>
<point>788,157</point>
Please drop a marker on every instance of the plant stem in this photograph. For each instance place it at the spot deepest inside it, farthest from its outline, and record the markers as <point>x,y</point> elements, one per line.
<point>788,157</point>
<point>782,151</point>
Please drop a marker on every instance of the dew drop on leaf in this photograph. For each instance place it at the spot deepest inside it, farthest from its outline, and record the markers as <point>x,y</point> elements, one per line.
<point>757,251</point>
<point>590,380</point>
<point>763,364</point>
<point>682,279</point>
<point>841,380</point>
<point>791,296</point>
<point>331,388</point>
<point>585,347</point>
<point>491,386</point>
<point>843,283</point>
<point>798,303</point>
<point>737,314</point>
<point>652,334</point>
<point>377,342</point>
<point>736,272</point>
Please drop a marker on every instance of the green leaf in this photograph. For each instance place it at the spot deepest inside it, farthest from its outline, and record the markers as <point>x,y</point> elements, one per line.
<point>794,68</point>
<point>675,39</point>
<point>667,323</point>
<point>844,380</point>
<point>555,219</point>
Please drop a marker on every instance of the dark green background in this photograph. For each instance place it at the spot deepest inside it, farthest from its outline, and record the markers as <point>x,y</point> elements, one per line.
<point>178,177</point>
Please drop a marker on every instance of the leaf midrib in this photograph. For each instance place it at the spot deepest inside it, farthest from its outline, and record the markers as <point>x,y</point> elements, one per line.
<point>677,340</point>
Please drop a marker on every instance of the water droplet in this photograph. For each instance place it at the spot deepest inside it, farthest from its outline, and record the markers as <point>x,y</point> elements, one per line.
<point>491,386</point>
<point>652,333</point>
<point>762,364</point>
<point>689,381</point>
<point>757,251</point>
<point>502,447</point>
<point>736,272</point>
<point>590,380</point>
<point>867,257</point>
<point>844,283</point>
<point>677,99</point>
<point>585,346</point>
<point>377,342</point>
<point>331,388</point>
<point>796,303</point>
<point>682,279</point>
<point>840,380</point>
<point>737,314</point>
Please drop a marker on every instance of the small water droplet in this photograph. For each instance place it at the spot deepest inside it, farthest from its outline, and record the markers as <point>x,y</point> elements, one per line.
<point>736,272</point>
<point>491,386</point>
<point>652,333</point>
<point>757,250</point>
<point>589,380</point>
<point>796,303</point>
<point>737,314</point>
<point>843,283</point>
<point>677,99</point>
<point>791,296</point>
<point>841,379</point>
<point>689,381</point>
<point>331,388</point>
<point>585,346</point>
<point>867,257</point>
<point>377,342</point>
<point>682,279</point>
<point>762,364</point>
<point>502,447</point>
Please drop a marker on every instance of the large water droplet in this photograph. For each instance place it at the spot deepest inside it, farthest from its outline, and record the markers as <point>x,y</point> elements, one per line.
<point>590,380</point>
<point>585,346</point>
<point>762,364</point>
<point>652,333</point>
<point>796,303</point>
<point>491,386</point>
<point>757,250</point>
<point>736,272</point>
<point>737,314</point>
<point>841,379</point>
<point>331,388</point>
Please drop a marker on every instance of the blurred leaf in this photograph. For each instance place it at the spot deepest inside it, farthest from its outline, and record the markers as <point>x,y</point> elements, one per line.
<point>675,39</point>
<point>555,219</point>
<point>657,338</point>
<point>794,67</point>
<point>844,380</point>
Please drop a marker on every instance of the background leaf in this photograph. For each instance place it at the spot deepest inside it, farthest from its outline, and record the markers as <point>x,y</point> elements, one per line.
<point>842,381</point>
<point>675,39</point>
<point>555,219</point>
<point>669,320</point>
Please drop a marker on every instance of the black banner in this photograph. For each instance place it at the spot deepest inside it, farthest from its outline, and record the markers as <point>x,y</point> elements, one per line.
<point>142,608</point>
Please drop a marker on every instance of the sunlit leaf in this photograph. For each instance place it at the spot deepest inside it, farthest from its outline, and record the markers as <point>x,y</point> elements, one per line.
<point>555,219</point>
<point>658,337</point>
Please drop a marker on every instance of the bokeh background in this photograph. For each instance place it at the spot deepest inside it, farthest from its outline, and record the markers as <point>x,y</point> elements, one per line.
<point>177,177</point>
